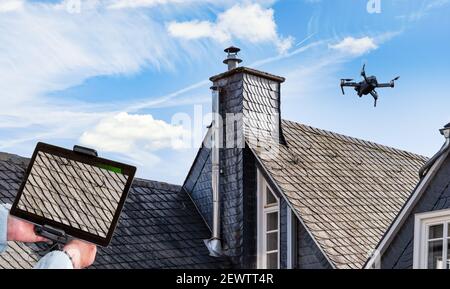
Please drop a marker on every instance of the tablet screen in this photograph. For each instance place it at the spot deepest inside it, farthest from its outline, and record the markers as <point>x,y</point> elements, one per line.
<point>74,191</point>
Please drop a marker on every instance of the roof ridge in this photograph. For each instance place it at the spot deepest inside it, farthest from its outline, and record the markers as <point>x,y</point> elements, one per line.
<point>152,184</point>
<point>357,141</point>
<point>16,159</point>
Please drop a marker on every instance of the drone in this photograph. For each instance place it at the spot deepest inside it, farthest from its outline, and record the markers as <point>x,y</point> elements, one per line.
<point>366,86</point>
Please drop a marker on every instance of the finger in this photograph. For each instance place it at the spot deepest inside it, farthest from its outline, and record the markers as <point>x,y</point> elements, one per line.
<point>38,238</point>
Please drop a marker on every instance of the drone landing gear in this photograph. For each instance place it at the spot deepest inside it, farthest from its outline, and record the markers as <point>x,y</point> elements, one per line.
<point>375,97</point>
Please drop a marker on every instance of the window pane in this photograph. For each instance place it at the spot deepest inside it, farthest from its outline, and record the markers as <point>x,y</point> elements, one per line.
<point>272,241</point>
<point>435,231</point>
<point>272,261</point>
<point>270,199</point>
<point>435,255</point>
<point>272,221</point>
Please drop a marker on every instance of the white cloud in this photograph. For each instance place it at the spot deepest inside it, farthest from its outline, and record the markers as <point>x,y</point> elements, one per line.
<point>246,22</point>
<point>128,133</point>
<point>195,29</point>
<point>355,46</point>
<point>284,44</point>
<point>10,5</point>
<point>46,48</point>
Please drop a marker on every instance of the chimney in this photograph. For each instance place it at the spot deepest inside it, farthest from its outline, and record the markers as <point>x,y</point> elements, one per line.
<point>248,103</point>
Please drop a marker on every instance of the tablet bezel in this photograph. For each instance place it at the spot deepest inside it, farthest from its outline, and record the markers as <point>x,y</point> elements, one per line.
<point>86,159</point>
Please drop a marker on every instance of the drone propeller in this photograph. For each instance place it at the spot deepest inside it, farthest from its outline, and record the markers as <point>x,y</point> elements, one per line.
<point>363,70</point>
<point>347,79</point>
<point>392,83</point>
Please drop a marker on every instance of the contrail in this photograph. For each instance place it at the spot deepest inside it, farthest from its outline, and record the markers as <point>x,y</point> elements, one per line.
<point>258,63</point>
<point>306,39</point>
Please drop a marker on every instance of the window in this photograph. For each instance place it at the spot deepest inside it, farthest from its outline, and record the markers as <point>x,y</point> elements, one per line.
<point>432,240</point>
<point>268,226</point>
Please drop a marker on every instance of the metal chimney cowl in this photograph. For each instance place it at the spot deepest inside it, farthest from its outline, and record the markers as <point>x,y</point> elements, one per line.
<point>445,131</point>
<point>232,59</point>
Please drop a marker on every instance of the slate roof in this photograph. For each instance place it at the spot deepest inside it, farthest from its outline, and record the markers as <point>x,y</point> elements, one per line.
<point>345,190</point>
<point>159,227</point>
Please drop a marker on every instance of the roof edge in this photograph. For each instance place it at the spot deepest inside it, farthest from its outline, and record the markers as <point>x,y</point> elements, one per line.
<point>243,69</point>
<point>154,184</point>
<point>183,186</point>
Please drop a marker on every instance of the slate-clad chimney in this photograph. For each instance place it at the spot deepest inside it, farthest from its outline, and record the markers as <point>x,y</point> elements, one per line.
<point>249,102</point>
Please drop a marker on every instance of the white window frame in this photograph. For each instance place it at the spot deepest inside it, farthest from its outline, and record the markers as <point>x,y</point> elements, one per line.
<point>262,225</point>
<point>422,223</point>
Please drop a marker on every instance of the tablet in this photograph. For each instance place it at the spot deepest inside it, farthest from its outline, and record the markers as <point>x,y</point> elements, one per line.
<point>73,192</point>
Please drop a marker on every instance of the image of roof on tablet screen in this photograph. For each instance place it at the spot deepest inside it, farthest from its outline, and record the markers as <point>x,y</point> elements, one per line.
<point>75,194</point>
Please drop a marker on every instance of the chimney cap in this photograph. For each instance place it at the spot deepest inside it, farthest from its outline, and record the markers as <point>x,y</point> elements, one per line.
<point>232,59</point>
<point>445,131</point>
<point>232,49</point>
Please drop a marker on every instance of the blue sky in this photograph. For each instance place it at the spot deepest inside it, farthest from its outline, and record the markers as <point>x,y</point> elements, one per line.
<point>116,74</point>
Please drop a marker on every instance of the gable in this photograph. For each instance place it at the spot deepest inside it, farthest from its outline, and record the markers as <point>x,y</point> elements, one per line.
<point>198,184</point>
<point>346,191</point>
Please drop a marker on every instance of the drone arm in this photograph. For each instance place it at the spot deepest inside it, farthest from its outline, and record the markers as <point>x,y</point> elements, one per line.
<point>390,84</point>
<point>347,84</point>
<point>350,84</point>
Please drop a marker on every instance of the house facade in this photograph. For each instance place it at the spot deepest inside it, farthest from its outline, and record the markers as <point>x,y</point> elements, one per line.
<point>294,196</point>
<point>273,193</point>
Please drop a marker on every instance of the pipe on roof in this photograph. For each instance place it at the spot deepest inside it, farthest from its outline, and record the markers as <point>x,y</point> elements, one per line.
<point>214,244</point>
<point>232,59</point>
<point>446,133</point>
